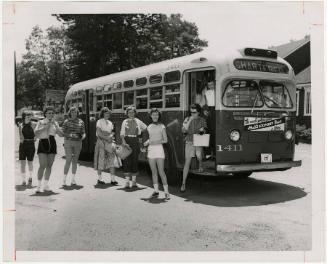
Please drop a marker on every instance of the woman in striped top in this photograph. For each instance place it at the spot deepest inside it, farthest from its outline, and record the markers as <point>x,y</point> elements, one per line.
<point>74,132</point>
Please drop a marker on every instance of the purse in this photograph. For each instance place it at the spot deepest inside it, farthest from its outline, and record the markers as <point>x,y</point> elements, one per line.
<point>123,151</point>
<point>201,140</point>
<point>117,162</point>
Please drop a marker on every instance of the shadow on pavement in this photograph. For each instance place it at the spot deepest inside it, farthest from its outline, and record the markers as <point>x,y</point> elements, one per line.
<point>154,200</point>
<point>21,188</point>
<point>71,187</point>
<point>230,192</point>
<point>225,191</point>
<point>134,189</point>
<point>103,186</point>
<point>49,193</point>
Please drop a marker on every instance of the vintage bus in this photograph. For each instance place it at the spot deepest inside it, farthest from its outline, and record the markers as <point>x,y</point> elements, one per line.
<point>252,108</point>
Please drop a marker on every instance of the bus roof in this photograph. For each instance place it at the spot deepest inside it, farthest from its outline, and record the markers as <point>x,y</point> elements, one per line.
<point>205,58</point>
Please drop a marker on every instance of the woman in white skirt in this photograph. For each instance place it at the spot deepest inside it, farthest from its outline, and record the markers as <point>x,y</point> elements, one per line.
<point>156,154</point>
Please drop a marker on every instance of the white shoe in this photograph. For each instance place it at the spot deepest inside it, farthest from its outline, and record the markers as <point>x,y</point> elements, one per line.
<point>46,188</point>
<point>38,189</point>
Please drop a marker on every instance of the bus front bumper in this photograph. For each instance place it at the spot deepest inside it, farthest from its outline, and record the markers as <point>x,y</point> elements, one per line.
<point>258,166</point>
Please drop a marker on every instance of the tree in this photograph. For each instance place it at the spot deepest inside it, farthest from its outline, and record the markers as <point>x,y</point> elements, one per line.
<point>45,65</point>
<point>111,43</point>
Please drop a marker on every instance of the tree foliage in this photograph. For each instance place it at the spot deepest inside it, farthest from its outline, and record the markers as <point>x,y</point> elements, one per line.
<point>89,46</point>
<point>116,42</point>
<point>45,65</point>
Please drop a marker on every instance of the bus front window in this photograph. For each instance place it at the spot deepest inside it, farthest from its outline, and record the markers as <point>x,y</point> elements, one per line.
<point>275,95</point>
<point>242,93</point>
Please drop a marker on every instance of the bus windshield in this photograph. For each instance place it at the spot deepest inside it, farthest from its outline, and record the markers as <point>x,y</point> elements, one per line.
<point>275,95</point>
<point>247,93</point>
<point>242,93</point>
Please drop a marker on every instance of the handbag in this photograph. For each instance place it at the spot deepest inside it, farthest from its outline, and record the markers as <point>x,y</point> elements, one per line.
<point>123,151</point>
<point>117,162</point>
<point>201,140</point>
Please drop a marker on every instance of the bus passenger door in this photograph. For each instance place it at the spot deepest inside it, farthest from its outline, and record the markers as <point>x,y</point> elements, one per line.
<point>87,146</point>
<point>201,90</point>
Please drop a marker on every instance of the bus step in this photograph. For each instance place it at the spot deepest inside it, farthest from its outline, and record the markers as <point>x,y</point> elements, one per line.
<point>206,172</point>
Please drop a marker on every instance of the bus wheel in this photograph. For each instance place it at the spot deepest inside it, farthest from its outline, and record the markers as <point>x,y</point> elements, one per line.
<point>242,175</point>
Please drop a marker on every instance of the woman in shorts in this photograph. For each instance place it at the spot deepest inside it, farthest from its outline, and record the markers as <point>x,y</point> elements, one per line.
<point>26,146</point>
<point>156,154</point>
<point>194,124</point>
<point>46,130</point>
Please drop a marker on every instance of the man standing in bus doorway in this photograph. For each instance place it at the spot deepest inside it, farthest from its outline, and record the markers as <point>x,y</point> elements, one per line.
<point>131,129</point>
<point>208,113</point>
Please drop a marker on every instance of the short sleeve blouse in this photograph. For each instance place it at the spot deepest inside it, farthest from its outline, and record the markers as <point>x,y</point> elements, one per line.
<point>105,125</point>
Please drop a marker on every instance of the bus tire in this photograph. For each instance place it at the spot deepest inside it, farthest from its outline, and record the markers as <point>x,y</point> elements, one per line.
<point>242,175</point>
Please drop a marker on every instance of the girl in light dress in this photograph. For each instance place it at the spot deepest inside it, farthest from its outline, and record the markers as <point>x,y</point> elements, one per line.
<point>104,152</point>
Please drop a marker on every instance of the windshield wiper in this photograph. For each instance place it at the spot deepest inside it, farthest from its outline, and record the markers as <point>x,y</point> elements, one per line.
<point>271,100</point>
<point>255,102</point>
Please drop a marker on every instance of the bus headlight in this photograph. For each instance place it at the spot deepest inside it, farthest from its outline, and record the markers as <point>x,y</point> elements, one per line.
<point>288,134</point>
<point>235,135</point>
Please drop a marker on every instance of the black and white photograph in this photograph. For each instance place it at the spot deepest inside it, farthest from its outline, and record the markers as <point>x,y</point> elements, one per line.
<point>163,131</point>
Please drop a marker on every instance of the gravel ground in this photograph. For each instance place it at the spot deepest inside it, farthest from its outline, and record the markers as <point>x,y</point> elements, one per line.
<point>268,211</point>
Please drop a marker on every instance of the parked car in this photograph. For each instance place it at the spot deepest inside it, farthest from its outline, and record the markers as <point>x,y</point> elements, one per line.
<point>37,115</point>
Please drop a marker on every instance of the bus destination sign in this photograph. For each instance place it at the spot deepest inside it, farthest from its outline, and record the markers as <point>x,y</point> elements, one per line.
<point>259,65</point>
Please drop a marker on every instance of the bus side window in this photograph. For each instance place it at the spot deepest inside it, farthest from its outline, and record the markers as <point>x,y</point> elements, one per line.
<point>117,101</point>
<point>142,99</point>
<point>156,97</point>
<point>99,103</point>
<point>172,96</point>
<point>128,98</point>
<point>107,101</point>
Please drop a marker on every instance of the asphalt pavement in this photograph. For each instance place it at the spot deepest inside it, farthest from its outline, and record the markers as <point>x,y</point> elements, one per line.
<point>268,211</point>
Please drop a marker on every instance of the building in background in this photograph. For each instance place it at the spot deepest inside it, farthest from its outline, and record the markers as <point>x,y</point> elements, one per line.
<point>297,53</point>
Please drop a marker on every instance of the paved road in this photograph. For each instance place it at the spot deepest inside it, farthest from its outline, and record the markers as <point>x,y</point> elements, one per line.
<point>269,211</point>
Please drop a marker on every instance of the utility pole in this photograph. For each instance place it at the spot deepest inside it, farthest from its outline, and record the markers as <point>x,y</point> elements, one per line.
<point>15,84</point>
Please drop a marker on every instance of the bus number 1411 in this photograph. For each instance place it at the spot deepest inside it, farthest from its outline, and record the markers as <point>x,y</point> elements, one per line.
<point>229,148</point>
